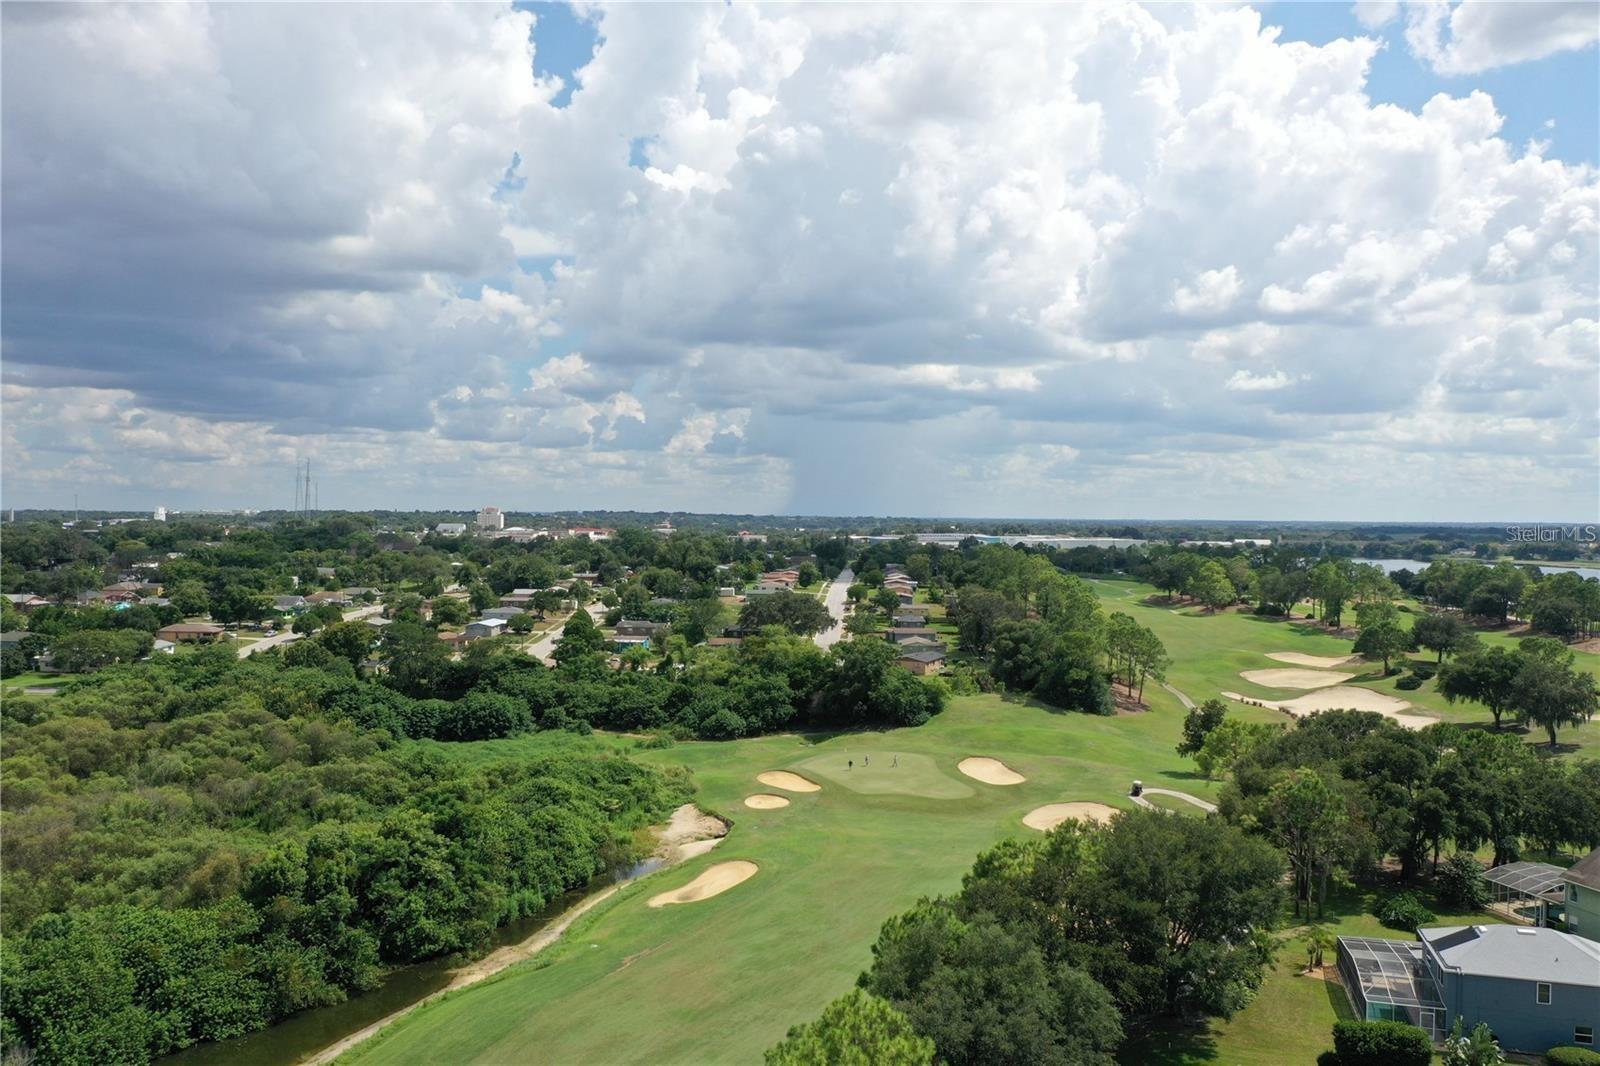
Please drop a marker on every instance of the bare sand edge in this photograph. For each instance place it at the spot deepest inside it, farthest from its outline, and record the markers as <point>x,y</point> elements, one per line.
<point>1316,662</point>
<point>765,801</point>
<point>674,847</point>
<point>1375,702</point>
<point>712,881</point>
<point>1295,678</point>
<point>788,781</point>
<point>990,771</point>
<point>1051,815</point>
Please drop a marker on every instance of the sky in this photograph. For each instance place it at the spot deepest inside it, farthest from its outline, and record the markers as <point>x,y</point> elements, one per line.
<point>1294,261</point>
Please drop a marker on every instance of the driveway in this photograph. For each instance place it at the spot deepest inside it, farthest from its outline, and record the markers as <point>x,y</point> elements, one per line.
<point>285,636</point>
<point>542,648</point>
<point>834,599</point>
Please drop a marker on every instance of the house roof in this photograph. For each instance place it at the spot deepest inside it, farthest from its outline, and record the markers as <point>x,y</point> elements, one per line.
<point>192,628</point>
<point>1586,871</point>
<point>1517,952</point>
<point>923,656</point>
<point>1390,971</point>
<point>492,623</point>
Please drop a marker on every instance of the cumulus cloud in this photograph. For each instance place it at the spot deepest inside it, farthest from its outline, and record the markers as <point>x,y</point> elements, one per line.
<point>783,247</point>
<point>1467,38</point>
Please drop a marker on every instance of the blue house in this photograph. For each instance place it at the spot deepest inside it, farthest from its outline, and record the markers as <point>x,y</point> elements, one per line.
<point>1536,988</point>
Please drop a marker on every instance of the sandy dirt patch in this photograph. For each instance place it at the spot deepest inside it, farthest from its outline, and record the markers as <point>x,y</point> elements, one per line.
<point>1295,678</point>
<point>1319,662</point>
<point>788,782</point>
<point>1051,815</point>
<point>1346,698</point>
<point>989,771</point>
<point>690,832</point>
<point>765,801</point>
<point>712,882</point>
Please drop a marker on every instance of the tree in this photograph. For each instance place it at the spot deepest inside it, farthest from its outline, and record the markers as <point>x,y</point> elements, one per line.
<point>351,641</point>
<point>1551,693</point>
<point>580,638</point>
<point>886,600</point>
<point>1198,723</point>
<point>1445,634</point>
<point>91,649</point>
<point>447,610</point>
<point>241,605</point>
<point>481,596</point>
<point>1230,741</point>
<point>1488,677</point>
<point>1212,587</point>
<point>809,574</point>
<point>1384,639</point>
<point>1308,820</point>
<point>857,1029</point>
<point>977,612</point>
<point>190,597</point>
<point>1330,587</point>
<point>795,611</point>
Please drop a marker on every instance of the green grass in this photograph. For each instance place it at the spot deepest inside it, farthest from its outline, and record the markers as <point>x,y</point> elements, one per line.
<point>1178,806</point>
<point>720,981</point>
<point>1210,650</point>
<point>34,679</point>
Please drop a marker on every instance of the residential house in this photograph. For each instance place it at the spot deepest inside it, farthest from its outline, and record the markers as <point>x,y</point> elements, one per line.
<point>915,621</point>
<point>26,601</point>
<point>452,640</point>
<point>155,601</point>
<point>378,621</point>
<point>163,647</point>
<point>13,638</point>
<point>328,571</point>
<point>1534,987</point>
<point>637,627</point>
<point>895,634</point>
<point>505,614</point>
<point>190,632</point>
<point>519,598</point>
<point>485,627</point>
<point>922,662</point>
<point>724,642</point>
<point>450,529</point>
<point>289,604</point>
<point>788,578</point>
<point>750,538</point>
<point>766,588</point>
<point>336,597</point>
<point>592,532</point>
<point>920,644</point>
<point>1581,897</point>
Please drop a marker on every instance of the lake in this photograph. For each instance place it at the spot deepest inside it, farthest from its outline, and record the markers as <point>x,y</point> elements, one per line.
<point>1389,566</point>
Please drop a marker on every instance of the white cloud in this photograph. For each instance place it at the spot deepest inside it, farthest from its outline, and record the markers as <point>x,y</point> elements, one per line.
<point>1143,231</point>
<point>1466,38</point>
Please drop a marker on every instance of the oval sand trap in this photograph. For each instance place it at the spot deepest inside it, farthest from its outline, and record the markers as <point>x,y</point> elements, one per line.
<point>1320,662</point>
<point>765,801</point>
<point>713,882</point>
<point>1295,678</point>
<point>1346,698</point>
<point>788,782</point>
<point>989,771</point>
<point>1051,815</point>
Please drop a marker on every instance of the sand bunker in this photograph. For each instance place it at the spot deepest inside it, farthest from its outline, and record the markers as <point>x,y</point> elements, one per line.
<point>1321,662</point>
<point>788,782</point>
<point>989,771</point>
<point>713,882</point>
<point>1051,815</point>
<point>1295,678</point>
<point>1343,697</point>
<point>765,801</point>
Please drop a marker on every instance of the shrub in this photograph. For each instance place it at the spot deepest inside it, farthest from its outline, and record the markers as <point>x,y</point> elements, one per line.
<point>1404,911</point>
<point>1460,883</point>
<point>1408,683</point>
<point>1424,669</point>
<point>1572,1056</point>
<point>1381,1044</point>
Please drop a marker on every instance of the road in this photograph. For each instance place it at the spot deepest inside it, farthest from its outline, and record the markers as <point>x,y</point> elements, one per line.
<point>542,648</point>
<point>285,636</point>
<point>834,599</point>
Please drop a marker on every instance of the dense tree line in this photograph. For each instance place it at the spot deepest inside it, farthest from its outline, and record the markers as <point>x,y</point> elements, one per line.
<point>1055,947</point>
<point>1343,790</point>
<point>199,846</point>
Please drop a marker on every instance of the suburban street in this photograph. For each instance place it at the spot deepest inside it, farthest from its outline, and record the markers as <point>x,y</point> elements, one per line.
<point>542,648</point>
<point>834,599</point>
<point>285,636</point>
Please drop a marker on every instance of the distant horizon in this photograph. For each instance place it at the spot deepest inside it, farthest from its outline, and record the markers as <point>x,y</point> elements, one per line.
<point>1593,524</point>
